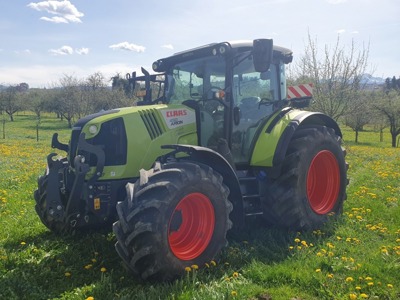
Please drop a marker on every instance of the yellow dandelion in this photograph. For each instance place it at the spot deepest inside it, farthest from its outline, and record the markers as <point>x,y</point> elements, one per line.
<point>370,283</point>
<point>349,279</point>
<point>213,263</point>
<point>368,278</point>
<point>103,270</point>
<point>195,267</point>
<point>94,260</point>
<point>358,288</point>
<point>363,295</point>
<point>235,274</point>
<point>23,243</point>
<point>67,274</point>
<point>89,266</point>
<point>90,298</point>
<point>207,265</point>
<point>234,293</point>
<point>188,269</point>
<point>318,270</point>
<point>352,296</point>
<point>296,240</point>
<point>330,275</point>
<point>227,279</point>
<point>390,286</point>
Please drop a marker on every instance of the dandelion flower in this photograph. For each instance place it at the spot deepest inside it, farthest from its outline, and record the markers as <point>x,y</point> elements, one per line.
<point>188,269</point>
<point>370,283</point>
<point>213,263</point>
<point>330,275</point>
<point>296,240</point>
<point>23,243</point>
<point>390,286</point>
<point>234,293</point>
<point>235,274</point>
<point>90,298</point>
<point>103,270</point>
<point>318,270</point>
<point>352,296</point>
<point>195,267</point>
<point>349,279</point>
<point>358,288</point>
<point>363,295</point>
<point>67,274</point>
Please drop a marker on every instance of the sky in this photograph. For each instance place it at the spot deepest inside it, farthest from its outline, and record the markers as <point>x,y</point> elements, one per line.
<point>42,41</point>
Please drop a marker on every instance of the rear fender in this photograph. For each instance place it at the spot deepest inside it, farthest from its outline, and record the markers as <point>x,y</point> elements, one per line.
<point>216,161</point>
<point>274,138</point>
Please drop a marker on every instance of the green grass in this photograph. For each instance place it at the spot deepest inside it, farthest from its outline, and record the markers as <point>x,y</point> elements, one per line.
<point>356,257</point>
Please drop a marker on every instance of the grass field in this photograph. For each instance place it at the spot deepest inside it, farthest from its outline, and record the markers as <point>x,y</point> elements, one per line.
<point>357,257</point>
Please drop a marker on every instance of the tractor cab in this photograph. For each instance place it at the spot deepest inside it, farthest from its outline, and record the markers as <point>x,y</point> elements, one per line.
<point>233,87</point>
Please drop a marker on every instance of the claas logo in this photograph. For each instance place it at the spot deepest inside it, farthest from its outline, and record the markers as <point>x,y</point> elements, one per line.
<point>176,113</point>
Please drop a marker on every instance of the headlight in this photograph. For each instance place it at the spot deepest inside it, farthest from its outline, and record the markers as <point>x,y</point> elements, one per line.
<point>93,129</point>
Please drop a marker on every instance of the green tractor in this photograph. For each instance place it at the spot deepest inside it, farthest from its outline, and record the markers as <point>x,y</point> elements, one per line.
<point>215,140</point>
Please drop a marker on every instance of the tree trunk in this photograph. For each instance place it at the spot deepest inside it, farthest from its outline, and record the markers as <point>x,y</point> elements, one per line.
<point>356,140</point>
<point>394,140</point>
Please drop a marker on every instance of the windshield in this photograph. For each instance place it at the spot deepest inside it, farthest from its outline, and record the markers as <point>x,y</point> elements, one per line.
<point>196,79</point>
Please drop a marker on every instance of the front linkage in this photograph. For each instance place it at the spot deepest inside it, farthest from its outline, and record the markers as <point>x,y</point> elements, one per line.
<point>63,196</point>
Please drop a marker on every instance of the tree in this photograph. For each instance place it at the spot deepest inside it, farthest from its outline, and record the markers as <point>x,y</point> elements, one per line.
<point>11,101</point>
<point>336,75</point>
<point>361,114</point>
<point>389,107</point>
<point>68,98</point>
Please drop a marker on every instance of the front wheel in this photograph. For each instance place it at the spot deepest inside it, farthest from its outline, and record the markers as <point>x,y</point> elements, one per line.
<point>41,199</point>
<point>312,184</point>
<point>176,215</point>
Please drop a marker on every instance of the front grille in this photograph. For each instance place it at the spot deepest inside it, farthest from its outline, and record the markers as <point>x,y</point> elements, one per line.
<point>150,120</point>
<point>112,140</point>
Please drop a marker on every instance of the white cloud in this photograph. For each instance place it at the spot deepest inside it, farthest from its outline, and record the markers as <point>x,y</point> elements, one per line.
<point>64,50</point>
<point>64,11</point>
<point>26,51</point>
<point>340,31</point>
<point>128,47</point>
<point>82,51</point>
<point>336,1</point>
<point>168,46</point>
<point>54,19</point>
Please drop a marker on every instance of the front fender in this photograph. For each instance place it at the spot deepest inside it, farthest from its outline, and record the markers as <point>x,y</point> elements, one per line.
<point>219,164</point>
<point>273,140</point>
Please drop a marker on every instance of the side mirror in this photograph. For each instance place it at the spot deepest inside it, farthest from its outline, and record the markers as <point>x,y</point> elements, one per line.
<point>262,54</point>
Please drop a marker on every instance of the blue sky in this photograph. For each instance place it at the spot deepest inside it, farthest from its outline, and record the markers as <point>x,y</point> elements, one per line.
<point>40,41</point>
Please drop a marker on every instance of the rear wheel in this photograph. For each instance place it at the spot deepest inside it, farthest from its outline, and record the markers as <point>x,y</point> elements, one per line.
<point>312,184</point>
<point>175,216</point>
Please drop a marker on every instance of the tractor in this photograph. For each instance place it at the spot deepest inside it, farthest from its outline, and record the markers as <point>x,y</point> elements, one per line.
<point>214,141</point>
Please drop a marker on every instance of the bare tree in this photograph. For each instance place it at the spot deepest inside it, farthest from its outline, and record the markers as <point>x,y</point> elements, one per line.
<point>389,107</point>
<point>11,101</point>
<point>68,98</point>
<point>360,112</point>
<point>336,75</point>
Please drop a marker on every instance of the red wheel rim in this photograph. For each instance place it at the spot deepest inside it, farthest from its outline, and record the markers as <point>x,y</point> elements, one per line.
<point>323,182</point>
<point>191,226</point>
